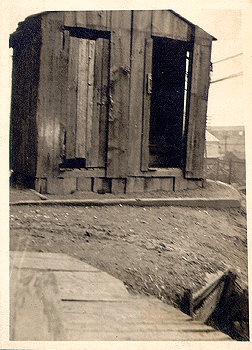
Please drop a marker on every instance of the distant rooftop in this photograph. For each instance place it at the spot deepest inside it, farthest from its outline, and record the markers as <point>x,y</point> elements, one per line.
<point>210,137</point>
<point>226,128</point>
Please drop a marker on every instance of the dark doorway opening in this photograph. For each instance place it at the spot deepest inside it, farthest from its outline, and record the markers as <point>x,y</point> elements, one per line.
<point>170,66</point>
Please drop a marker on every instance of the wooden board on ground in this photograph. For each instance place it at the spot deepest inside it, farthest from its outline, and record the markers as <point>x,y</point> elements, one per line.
<point>53,298</point>
<point>90,286</point>
<point>48,261</point>
<point>35,310</point>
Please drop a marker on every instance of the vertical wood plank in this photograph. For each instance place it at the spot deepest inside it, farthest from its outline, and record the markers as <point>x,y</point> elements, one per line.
<point>198,105</point>
<point>161,23</point>
<point>118,125</point>
<point>50,88</point>
<point>97,19</point>
<point>81,120</point>
<point>72,97</point>
<point>26,59</point>
<point>57,42</point>
<point>104,105</point>
<point>141,31</point>
<point>41,111</point>
<point>97,101</point>
<point>193,110</point>
<point>90,95</point>
<point>70,18</point>
<point>81,19</point>
<point>64,94</point>
<point>92,18</point>
<point>181,30</point>
<point>167,24</point>
<point>15,116</point>
<point>196,68</point>
<point>99,124</point>
<point>146,106</point>
<point>34,69</point>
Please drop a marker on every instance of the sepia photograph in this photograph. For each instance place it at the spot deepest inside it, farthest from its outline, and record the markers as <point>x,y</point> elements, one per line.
<point>127,181</point>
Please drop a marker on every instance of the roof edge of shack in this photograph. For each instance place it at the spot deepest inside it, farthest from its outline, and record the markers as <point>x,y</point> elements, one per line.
<point>190,23</point>
<point>40,14</point>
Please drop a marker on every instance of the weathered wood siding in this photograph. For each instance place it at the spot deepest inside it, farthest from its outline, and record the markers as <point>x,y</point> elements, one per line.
<point>72,88</point>
<point>198,104</point>
<point>141,31</point>
<point>166,24</point>
<point>25,77</point>
<point>101,100</point>
<point>118,122</point>
<point>99,20</point>
<point>85,87</point>
<point>50,95</point>
<point>92,100</point>
<point>64,58</point>
<point>148,48</point>
<point>73,91</point>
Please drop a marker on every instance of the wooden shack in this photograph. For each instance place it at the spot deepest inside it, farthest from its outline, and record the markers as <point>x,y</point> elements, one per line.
<point>109,100</point>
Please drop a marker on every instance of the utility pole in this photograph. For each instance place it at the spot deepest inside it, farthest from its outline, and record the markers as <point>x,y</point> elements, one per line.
<point>225,144</point>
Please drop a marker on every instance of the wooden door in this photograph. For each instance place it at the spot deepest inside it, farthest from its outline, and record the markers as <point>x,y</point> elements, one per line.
<point>87,96</point>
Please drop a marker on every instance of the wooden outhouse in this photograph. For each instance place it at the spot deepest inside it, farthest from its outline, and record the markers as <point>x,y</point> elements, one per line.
<point>109,100</point>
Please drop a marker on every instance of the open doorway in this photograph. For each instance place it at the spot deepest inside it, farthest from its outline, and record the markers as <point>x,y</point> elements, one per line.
<point>170,67</point>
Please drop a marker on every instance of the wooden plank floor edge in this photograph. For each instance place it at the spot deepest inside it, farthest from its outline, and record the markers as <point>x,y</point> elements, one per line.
<point>35,310</point>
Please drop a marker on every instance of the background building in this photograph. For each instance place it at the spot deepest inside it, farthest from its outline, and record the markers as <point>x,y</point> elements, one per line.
<point>232,139</point>
<point>212,146</point>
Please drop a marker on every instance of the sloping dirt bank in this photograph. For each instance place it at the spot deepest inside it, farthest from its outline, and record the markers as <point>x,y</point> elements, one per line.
<point>154,250</point>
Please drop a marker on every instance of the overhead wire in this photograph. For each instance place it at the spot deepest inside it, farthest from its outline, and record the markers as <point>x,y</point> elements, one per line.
<point>228,58</point>
<point>228,77</point>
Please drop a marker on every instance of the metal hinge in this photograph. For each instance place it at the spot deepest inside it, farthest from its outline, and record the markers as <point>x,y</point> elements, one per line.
<point>149,83</point>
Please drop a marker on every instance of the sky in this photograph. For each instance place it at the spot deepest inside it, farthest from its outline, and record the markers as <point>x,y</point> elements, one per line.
<point>222,20</point>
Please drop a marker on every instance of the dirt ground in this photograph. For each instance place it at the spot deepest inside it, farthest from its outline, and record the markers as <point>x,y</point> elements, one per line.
<point>154,250</point>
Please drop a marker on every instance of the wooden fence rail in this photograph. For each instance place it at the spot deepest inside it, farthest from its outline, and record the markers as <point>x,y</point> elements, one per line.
<point>201,304</point>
